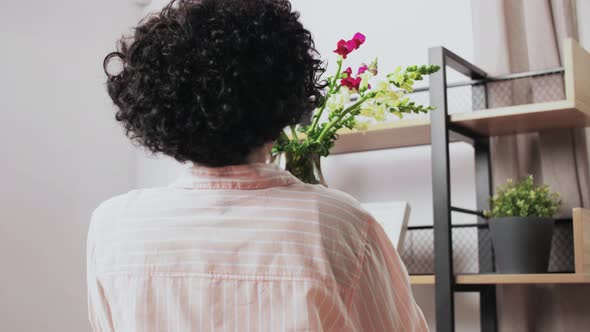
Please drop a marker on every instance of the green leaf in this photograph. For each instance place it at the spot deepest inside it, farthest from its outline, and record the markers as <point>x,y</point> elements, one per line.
<point>523,199</point>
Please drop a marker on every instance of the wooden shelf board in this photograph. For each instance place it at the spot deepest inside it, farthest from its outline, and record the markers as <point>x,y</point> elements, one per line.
<point>581,228</point>
<point>501,279</point>
<point>395,134</point>
<point>582,240</point>
<point>549,278</point>
<point>523,118</point>
<point>491,122</point>
<point>422,280</point>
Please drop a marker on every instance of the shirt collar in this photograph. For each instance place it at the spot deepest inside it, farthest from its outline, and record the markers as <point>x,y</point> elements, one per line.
<point>241,177</point>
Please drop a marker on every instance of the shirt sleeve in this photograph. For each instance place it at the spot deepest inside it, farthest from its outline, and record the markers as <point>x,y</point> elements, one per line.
<point>98,308</point>
<point>383,299</point>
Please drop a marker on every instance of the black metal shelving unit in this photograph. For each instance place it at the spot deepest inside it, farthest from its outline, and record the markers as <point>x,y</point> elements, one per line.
<point>440,130</point>
<point>445,286</point>
<point>490,112</point>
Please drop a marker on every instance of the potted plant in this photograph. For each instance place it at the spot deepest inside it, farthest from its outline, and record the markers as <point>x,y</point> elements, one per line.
<point>521,224</point>
<point>352,100</point>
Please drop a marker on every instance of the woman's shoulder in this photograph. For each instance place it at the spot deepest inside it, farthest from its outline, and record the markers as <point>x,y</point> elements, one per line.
<point>338,212</point>
<point>110,210</point>
<point>114,205</point>
<point>335,197</point>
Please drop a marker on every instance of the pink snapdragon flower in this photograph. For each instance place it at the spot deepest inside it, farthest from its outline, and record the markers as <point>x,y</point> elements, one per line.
<point>362,69</point>
<point>354,83</point>
<point>344,48</point>
<point>348,71</point>
<point>359,39</point>
<point>351,83</point>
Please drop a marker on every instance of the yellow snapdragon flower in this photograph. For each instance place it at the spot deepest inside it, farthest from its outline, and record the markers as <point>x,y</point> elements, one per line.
<point>386,95</point>
<point>365,77</point>
<point>338,101</point>
<point>376,111</point>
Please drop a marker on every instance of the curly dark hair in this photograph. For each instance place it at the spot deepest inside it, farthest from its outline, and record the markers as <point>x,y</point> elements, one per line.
<point>209,81</point>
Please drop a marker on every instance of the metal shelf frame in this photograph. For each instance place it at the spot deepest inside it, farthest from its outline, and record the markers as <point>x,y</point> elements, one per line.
<point>445,286</point>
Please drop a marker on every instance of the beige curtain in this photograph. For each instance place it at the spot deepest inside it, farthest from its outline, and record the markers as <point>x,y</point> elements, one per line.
<point>513,36</point>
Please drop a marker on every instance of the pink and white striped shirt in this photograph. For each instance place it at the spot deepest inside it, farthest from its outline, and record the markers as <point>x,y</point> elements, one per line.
<point>244,248</point>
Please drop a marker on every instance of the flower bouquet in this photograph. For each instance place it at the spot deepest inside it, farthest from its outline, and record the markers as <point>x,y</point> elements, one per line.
<point>351,101</point>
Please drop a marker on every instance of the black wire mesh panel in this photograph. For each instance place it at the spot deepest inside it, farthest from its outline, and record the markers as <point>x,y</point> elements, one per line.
<point>562,248</point>
<point>499,93</point>
<point>418,250</point>
<point>486,263</point>
<point>458,98</point>
<point>528,90</point>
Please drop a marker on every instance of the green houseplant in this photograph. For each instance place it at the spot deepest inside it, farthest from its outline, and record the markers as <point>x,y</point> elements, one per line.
<point>353,99</point>
<point>521,224</point>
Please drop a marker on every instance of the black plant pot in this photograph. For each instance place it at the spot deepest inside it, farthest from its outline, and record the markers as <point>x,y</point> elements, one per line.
<point>522,244</point>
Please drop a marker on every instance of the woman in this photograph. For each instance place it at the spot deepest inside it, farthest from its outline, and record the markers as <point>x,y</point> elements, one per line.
<point>235,244</point>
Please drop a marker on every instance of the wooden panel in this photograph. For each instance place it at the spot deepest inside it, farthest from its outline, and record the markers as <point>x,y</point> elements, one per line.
<point>384,136</point>
<point>397,134</point>
<point>568,66</point>
<point>501,279</point>
<point>577,77</point>
<point>498,279</point>
<point>492,122</point>
<point>582,240</point>
<point>522,118</point>
<point>422,280</point>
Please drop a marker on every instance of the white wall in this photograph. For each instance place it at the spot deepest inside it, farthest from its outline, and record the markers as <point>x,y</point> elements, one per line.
<point>62,154</point>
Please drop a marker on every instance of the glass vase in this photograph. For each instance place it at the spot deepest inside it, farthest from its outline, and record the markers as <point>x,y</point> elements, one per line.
<point>306,168</point>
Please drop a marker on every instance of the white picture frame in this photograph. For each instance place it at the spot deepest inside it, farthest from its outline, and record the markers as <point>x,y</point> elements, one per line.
<point>393,217</point>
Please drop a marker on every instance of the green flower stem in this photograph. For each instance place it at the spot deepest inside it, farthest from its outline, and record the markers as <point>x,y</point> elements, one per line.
<point>342,115</point>
<point>330,92</point>
<point>294,133</point>
<point>318,114</point>
<point>283,137</point>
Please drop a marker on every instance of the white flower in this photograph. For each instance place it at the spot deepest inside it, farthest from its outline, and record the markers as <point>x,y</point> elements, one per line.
<point>338,101</point>
<point>365,80</point>
<point>374,110</point>
<point>386,95</point>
